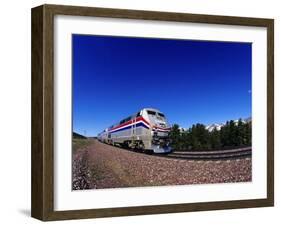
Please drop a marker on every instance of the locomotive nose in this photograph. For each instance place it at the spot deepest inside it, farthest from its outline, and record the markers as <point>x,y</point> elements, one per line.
<point>162,124</point>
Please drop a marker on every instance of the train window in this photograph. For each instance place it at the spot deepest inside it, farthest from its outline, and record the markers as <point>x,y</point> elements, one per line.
<point>162,115</point>
<point>151,112</point>
<point>127,119</point>
<point>138,114</point>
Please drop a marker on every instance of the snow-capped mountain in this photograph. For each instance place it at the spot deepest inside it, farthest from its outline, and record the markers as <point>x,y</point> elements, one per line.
<point>213,126</point>
<point>182,129</point>
<point>218,126</point>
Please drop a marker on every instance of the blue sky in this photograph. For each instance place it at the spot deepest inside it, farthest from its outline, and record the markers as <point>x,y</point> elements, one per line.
<point>189,81</point>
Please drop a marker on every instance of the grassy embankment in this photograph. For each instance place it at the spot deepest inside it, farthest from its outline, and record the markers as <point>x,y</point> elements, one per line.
<point>79,142</point>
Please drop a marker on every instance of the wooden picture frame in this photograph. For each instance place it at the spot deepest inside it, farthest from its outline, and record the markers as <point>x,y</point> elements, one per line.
<point>42,203</point>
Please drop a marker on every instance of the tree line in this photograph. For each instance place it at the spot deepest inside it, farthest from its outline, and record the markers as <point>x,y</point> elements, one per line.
<point>232,134</point>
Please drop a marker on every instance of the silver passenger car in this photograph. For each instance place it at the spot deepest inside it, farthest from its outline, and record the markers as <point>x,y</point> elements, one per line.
<point>148,129</point>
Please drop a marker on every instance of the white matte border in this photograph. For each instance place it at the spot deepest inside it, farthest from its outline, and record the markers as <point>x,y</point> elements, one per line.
<point>66,199</point>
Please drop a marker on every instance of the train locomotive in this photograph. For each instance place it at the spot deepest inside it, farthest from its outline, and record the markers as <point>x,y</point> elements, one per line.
<point>146,130</point>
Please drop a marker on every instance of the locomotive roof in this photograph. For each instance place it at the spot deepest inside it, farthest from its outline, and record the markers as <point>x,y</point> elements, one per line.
<point>146,109</point>
<point>151,109</point>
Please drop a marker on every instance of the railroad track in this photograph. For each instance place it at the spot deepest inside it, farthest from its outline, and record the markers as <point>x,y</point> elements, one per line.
<point>206,155</point>
<point>210,155</point>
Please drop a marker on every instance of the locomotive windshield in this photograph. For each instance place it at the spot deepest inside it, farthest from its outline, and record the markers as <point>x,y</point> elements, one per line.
<point>157,114</point>
<point>162,115</point>
<point>151,112</point>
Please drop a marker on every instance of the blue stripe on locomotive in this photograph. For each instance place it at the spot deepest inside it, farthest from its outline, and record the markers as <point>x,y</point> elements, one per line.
<point>130,126</point>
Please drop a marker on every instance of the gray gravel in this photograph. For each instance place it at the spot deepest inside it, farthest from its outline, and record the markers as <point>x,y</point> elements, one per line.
<point>81,171</point>
<point>103,166</point>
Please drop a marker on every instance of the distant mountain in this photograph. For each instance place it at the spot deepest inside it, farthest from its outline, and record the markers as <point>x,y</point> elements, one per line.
<point>78,136</point>
<point>181,129</point>
<point>211,127</point>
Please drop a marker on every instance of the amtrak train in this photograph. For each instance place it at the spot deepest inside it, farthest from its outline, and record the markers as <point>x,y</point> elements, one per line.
<point>147,130</point>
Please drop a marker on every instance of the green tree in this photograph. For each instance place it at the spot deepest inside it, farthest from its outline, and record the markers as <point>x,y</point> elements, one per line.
<point>199,137</point>
<point>240,133</point>
<point>186,140</point>
<point>215,140</point>
<point>232,140</point>
<point>248,133</point>
<point>224,134</point>
<point>175,137</point>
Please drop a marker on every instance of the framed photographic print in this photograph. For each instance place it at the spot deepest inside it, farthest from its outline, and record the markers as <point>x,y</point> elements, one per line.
<point>141,112</point>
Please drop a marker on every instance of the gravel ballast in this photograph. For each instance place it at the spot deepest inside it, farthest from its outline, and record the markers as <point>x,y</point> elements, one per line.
<point>100,165</point>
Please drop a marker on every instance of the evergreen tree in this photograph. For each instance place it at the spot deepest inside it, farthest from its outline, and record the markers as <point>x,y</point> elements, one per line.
<point>194,138</point>
<point>240,133</point>
<point>175,137</point>
<point>215,140</point>
<point>248,133</point>
<point>224,134</point>
<point>232,140</point>
<point>199,138</point>
<point>185,141</point>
